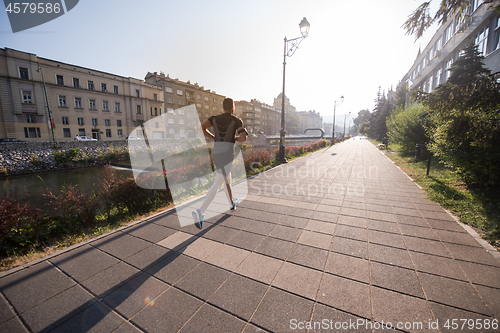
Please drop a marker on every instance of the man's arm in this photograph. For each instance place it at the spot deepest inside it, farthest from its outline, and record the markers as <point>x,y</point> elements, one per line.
<point>242,137</point>
<point>204,127</point>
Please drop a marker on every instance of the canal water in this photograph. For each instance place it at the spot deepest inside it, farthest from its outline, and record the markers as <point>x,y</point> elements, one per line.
<point>35,186</point>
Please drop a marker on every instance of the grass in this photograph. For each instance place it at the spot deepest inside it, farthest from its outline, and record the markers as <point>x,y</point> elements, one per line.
<point>475,206</point>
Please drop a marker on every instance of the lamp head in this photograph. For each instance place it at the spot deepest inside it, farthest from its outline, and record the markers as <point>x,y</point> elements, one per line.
<point>342,98</point>
<point>304,27</point>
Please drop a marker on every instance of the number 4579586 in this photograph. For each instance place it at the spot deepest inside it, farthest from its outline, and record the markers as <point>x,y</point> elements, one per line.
<point>471,324</point>
<point>30,7</point>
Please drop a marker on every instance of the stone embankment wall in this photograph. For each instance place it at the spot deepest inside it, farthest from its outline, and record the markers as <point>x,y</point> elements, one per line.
<point>33,157</point>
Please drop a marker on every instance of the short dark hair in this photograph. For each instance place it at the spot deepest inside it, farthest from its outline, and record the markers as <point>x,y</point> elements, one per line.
<point>228,104</point>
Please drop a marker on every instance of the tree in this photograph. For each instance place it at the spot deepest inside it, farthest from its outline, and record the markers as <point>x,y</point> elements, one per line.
<point>466,112</point>
<point>409,127</point>
<point>420,20</point>
<point>363,115</point>
<point>383,109</point>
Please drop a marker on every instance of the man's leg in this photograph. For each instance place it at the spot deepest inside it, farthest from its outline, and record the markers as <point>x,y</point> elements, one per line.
<point>219,180</point>
<point>229,191</point>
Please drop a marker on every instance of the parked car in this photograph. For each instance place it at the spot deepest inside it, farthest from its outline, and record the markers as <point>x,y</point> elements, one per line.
<point>85,138</point>
<point>10,140</point>
<point>132,138</point>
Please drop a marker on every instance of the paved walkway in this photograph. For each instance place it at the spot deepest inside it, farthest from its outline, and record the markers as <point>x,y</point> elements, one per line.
<point>340,240</point>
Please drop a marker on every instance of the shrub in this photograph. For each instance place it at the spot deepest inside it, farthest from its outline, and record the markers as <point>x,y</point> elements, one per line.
<point>408,127</point>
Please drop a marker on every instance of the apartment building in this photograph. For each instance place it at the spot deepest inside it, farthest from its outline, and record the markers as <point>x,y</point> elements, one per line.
<point>309,119</point>
<point>39,96</point>
<point>479,25</point>
<point>179,94</point>
<point>271,117</point>
<point>288,107</point>
<point>251,114</point>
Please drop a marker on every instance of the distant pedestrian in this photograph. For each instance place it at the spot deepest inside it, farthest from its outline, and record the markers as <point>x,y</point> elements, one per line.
<point>225,127</point>
<point>77,138</point>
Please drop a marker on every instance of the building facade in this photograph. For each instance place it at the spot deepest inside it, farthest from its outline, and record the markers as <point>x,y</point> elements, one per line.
<point>251,115</point>
<point>309,119</point>
<point>479,25</point>
<point>271,117</point>
<point>288,107</point>
<point>45,100</point>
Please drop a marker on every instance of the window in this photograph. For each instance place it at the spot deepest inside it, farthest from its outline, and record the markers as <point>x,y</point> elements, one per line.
<point>180,92</point>
<point>481,40</point>
<point>207,115</point>
<point>92,104</point>
<point>107,122</point>
<point>117,107</point>
<point>180,102</point>
<point>120,133</point>
<point>169,90</point>
<point>139,109</point>
<point>475,5</point>
<point>206,98</point>
<point>171,121</point>
<point>65,121</point>
<point>436,48</point>
<point>180,111</point>
<point>80,122</point>
<point>170,100</point>
<point>448,32</point>
<point>171,131</point>
<point>30,118</point>
<point>156,111</point>
<point>198,96</point>
<point>90,85</point>
<point>60,80</point>
<point>155,97</point>
<point>104,88</point>
<point>67,132</point>
<point>108,133</point>
<point>32,132</point>
<point>137,93</point>
<point>119,123</point>
<point>23,73</point>
<point>94,121</point>
<point>215,108</point>
<point>27,97</point>
<point>105,106</point>
<point>76,83</point>
<point>198,105</point>
<point>207,107</point>
<point>81,131</point>
<point>215,101</point>
<point>115,89</point>
<point>157,125</point>
<point>181,121</point>
<point>78,103</point>
<point>170,110</point>
<point>62,101</point>
<point>496,36</point>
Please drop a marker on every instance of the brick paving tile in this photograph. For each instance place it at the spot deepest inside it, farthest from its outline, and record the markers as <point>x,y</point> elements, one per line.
<point>308,256</point>
<point>273,315</point>
<point>168,313</point>
<point>246,240</point>
<point>210,319</point>
<point>395,278</point>
<point>239,295</point>
<point>274,247</point>
<point>203,280</point>
<point>344,294</point>
<point>299,280</point>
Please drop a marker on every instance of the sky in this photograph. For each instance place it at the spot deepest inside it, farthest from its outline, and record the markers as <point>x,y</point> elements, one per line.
<point>236,47</point>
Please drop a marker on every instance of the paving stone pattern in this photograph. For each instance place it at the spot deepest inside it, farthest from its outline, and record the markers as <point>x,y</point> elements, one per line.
<point>341,239</point>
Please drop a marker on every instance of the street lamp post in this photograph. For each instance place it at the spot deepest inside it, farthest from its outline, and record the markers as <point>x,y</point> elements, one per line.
<point>343,134</point>
<point>50,121</point>
<point>335,103</point>
<point>289,50</point>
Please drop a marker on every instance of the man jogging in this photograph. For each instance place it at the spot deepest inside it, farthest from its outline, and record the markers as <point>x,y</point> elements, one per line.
<point>225,127</point>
